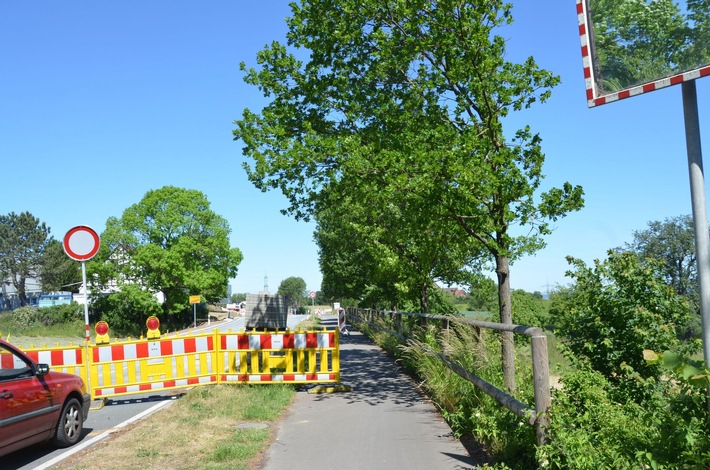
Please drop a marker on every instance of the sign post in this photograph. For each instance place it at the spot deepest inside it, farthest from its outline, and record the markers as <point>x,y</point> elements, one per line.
<point>312,295</point>
<point>81,243</point>
<point>194,300</point>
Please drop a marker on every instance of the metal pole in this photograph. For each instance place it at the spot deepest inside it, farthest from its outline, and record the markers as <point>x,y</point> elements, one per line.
<point>697,195</point>
<point>86,322</point>
<point>194,315</point>
<point>86,300</point>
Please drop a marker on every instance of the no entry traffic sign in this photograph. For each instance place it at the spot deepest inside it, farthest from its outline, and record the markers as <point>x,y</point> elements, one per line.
<point>81,243</point>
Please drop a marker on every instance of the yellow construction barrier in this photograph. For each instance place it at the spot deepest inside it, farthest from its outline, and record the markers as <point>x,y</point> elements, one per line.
<point>158,364</point>
<point>292,357</point>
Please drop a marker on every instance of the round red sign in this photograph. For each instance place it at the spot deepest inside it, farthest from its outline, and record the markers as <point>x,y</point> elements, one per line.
<point>81,243</point>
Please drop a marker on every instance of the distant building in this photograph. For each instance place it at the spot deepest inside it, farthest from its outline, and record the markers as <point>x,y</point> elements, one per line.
<point>455,292</point>
<point>54,298</point>
<point>9,300</point>
<point>112,288</point>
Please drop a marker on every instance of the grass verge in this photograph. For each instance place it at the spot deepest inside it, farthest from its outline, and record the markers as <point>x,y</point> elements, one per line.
<point>214,427</point>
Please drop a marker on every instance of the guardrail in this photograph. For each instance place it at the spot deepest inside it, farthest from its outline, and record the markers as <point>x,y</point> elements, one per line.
<point>138,366</point>
<point>536,416</point>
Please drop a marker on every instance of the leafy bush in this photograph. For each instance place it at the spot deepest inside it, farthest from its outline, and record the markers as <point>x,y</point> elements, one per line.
<point>28,318</point>
<point>589,430</point>
<point>621,307</point>
<point>529,309</point>
<point>617,409</point>
<point>126,311</point>
<point>685,421</point>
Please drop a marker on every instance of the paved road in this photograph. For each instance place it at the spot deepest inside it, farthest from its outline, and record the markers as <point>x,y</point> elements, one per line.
<point>237,324</point>
<point>383,423</point>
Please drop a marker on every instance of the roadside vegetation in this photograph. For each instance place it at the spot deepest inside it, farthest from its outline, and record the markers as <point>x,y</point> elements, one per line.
<point>631,390</point>
<point>27,326</point>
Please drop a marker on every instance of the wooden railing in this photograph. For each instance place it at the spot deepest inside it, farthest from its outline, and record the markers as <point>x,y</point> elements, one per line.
<point>536,416</point>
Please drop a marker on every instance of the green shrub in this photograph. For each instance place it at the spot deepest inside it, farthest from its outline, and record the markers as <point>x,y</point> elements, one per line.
<point>683,420</point>
<point>126,311</point>
<point>619,308</point>
<point>25,319</point>
<point>530,309</point>
<point>589,430</point>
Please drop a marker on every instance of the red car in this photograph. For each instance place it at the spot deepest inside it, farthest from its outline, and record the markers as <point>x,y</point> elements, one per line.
<point>37,405</point>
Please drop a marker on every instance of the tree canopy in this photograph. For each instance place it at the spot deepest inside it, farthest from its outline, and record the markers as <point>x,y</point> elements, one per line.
<point>386,254</point>
<point>672,243</point>
<point>23,240</point>
<point>397,110</point>
<point>58,272</point>
<point>294,289</point>
<point>169,242</point>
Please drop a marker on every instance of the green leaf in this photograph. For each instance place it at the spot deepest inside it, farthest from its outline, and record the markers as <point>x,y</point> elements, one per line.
<point>650,356</point>
<point>671,360</point>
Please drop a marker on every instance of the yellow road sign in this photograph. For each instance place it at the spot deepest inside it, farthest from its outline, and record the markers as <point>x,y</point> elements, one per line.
<point>194,299</point>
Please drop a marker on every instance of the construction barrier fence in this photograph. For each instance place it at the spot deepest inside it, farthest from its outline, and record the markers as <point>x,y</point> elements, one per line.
<point>160,364</point>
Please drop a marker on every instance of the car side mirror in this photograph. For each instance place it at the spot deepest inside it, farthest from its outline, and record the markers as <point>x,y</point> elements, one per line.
<point>42,369</point>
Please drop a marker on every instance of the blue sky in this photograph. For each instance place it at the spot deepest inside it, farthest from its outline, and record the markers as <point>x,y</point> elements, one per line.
<point>101,102</point>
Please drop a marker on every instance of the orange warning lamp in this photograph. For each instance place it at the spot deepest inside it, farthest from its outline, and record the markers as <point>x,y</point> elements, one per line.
<point>101,330</point>
<point>153,325</point>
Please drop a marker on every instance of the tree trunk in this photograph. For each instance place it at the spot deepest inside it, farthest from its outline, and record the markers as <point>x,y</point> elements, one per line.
<point>506,316</point>
<point>424,298</point>
<point>19,283</point>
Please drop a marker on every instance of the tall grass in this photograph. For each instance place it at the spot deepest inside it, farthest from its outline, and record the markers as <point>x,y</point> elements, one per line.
<point>468,410</point>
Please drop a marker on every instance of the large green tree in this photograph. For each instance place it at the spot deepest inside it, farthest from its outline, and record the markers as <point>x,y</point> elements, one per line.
<point>407,98</point>
<point>672,242</point>
<point>385,249</point>
<point>23,239</point>
<point>169,242</point>
<point>58,272</point>
<point>294,289</point>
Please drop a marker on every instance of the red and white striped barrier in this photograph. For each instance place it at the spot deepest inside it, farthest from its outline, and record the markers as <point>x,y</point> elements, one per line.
<point>277,341</point>
<point>62,359</point>
<point>141,366</point>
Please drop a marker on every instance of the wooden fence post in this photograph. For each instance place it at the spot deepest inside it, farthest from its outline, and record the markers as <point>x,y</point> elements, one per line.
<point>541,382</point>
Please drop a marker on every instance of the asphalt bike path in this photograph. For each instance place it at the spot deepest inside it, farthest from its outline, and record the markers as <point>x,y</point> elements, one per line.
<point>384,422</point>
